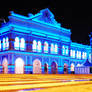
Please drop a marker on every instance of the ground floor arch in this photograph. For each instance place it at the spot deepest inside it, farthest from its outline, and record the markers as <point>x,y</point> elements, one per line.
<point>37,66</point>
<point>19,66</point>
<point>5,66</point>
<point>46,68</point>
<point>65,68</point>
<point>54,68</point>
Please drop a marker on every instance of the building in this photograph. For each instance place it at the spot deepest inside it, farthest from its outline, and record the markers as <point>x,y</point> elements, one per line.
<point>38,44</point>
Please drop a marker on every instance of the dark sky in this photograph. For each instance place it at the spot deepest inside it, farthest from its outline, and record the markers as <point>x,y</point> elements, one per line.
<point>76,17</point>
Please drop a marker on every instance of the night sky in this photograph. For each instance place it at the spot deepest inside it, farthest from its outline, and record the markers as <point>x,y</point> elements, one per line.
<point>76,17</point>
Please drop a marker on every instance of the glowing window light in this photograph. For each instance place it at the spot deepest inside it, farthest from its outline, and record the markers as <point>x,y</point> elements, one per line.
<point>16,43</point>
<point>56,48</point>
<point>46,47</point>
<point>78,54</point>
<point>7,43</point>
<point>4,44</point>
<point>0,44</point>
<point>63,50</point>
<point>34,46</point>
<point>72,53</point>
<point>67,51</point>
<point>39,46</point>
<point>90,57</point>
<point>84,55</point>
<point>52,48</point>
<point>22,44</point>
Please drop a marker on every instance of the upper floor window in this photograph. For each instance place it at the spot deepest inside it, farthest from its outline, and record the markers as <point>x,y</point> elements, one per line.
<point>0,44</point>
<point>16,43</point>
<point>45,47</point>
<point>56,48</point>
<point>3,43</point>
<point>65,50</point>
<point>84,55</point>
<point>52,48</point>
<point>72,53</point>
<point>34,46</point>
<point>7,43</point>
<point>22,44</point>
<point>78,54</point>
<point>39,47</point>
<point>90,57</point>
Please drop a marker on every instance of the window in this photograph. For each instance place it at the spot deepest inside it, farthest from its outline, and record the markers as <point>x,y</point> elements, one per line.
<point>90,57</point>
<point>16,43</point>
<point>0,45</point>
<point>56,49</point>
<point>65,50</point>
<point>39,46</point>
<point>7,43</point>
<point>3,43</point>
<point>78,54</point>
<point>52,48</point>
<point>84,55</point>
<point>34,46</point>
<point>72,53</point>
<point>45,47</point>
<point>22,44</point>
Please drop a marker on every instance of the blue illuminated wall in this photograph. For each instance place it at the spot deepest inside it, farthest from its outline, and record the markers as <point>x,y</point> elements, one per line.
<point>38,29</point>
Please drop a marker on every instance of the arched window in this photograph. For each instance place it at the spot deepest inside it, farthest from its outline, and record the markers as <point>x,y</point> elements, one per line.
<point>16,43</point>
<point>52,48</point>
<point>34,46</point>
<point>22,44</point>
<point>3,43</point>
<point>63,50</point>
<point>84,55</point>
<point>39,46</point>
<point>56,49</point>
<point>72,53</point>
<point>45,47</point>
<point>0,45</point>
<point>7,43</point>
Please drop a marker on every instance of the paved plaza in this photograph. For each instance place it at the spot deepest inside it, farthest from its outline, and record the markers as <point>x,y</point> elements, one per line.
<point>45,83</point>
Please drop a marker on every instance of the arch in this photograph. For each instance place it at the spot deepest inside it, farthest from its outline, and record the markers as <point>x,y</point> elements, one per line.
<point>7,43</point>
<point>72,68</point>
<point>39,46</point>
<point>46,47</point>
<point>34,46</point>
<point>16,43</point>
<point>22,44</point>
<point>54,68</point>
<point>52,48</point>
<point>65,68</point>
<point>19,66</point>
<point>56,48</point>
<point>37,66</point>
<point>3,43</point>
<point>46,68</point>
<point>5,66</point>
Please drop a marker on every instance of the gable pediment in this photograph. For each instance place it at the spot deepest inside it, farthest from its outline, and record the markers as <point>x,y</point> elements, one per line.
<point>46,16</point>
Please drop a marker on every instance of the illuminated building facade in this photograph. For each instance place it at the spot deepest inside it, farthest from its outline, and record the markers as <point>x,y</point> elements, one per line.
<point>38,44</point>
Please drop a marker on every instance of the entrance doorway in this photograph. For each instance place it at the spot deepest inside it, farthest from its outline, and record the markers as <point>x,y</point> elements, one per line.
<point>37,66</point>
<point>46,68</point>
<point>65,68</point>
<point>54,68</point>
<point>5,66</point>
<point>19,66</point>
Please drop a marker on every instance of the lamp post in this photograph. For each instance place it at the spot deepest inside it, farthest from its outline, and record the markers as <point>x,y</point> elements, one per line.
<point>90,36</point>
